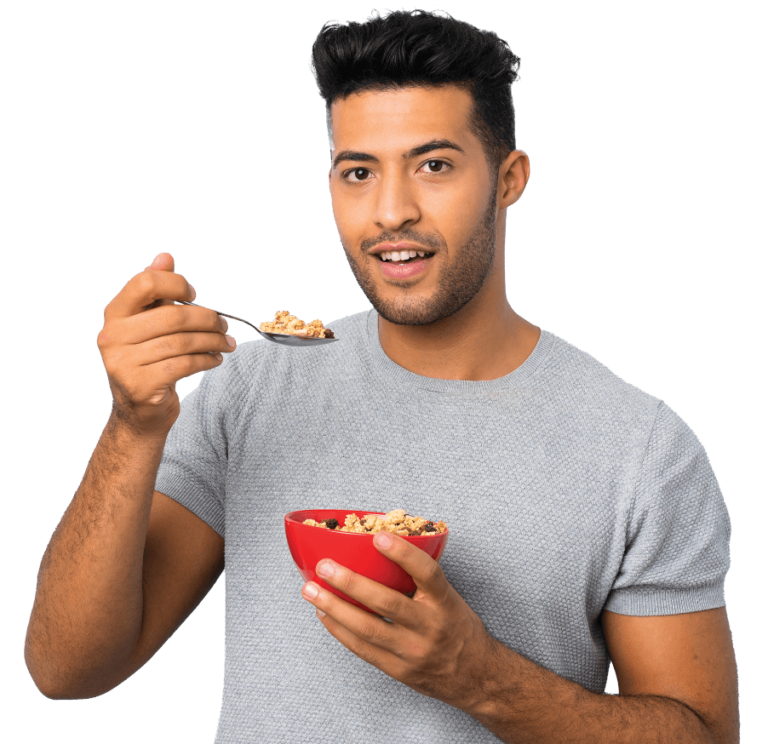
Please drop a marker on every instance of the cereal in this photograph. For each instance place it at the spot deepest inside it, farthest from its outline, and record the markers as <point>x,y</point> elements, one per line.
<point>396,521</point>
<point>289,324</point>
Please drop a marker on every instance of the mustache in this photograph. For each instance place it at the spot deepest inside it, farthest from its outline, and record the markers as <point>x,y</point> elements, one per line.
<point>428,241</point>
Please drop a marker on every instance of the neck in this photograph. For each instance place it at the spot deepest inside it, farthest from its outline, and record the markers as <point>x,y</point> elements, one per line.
<point>484,340</point>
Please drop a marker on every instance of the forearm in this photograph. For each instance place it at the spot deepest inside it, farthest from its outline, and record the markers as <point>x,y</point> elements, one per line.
<point>524,703</point>
<point>88,604</point>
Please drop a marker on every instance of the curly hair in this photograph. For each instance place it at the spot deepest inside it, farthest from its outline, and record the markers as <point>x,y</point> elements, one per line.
<point>419,48</point>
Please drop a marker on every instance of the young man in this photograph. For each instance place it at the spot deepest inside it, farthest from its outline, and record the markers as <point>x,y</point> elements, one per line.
<point>586,523</point>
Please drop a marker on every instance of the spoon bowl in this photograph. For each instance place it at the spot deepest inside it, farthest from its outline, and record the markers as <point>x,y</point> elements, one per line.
<point>276,338</point>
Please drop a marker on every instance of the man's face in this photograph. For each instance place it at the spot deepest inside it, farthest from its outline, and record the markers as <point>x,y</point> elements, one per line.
<point>398,185</point>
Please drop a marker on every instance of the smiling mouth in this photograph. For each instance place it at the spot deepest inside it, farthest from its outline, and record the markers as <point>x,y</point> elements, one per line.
<point>403,257</point>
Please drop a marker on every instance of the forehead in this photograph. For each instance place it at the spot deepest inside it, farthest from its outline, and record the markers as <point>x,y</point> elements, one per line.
<point>396,119</point>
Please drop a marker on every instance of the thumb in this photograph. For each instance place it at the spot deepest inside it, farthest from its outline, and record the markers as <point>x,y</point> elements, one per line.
<point>162,262</point>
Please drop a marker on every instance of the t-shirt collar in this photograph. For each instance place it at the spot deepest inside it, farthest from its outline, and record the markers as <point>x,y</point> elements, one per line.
<point>394,373</point>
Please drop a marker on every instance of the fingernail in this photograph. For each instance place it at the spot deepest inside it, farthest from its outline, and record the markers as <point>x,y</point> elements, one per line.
<point>310,590</point>
<point>155,259</point>
<point>230,340</point>
<point>383,540</point>
<point>326,569</point>
<point>192,292</point>
<point>223,321</point>
<point>319,612</point>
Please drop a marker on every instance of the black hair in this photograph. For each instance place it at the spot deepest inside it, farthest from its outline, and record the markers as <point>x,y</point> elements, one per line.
<point>419,48</point>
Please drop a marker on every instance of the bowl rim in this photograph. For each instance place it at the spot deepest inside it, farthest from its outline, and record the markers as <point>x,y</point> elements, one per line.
<point>290,518</point>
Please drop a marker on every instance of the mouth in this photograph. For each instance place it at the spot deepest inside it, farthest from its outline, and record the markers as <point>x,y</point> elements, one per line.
<point>404,265</point>
<point>400,258</point>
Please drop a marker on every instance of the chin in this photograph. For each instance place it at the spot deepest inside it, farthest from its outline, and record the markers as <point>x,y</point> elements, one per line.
<point>411,313</point>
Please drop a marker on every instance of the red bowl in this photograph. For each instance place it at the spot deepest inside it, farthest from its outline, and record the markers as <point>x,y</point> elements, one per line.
<point>309,545</point>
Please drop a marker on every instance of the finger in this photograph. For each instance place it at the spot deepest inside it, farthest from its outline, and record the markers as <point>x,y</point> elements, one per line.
<point>424,570</point>
<point>381,599</point>
<point>162,321</point>
<point>368,652</point>
<point>162,262</point>
<point>180,344</point>
<point>144,289</point>
<point>367,629</point>
<point>170,370</point>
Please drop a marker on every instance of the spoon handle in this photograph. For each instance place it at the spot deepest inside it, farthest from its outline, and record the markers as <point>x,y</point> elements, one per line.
<point>233,317</point>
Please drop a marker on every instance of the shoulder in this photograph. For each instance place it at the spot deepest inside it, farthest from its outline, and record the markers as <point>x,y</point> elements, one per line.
<point>589,385</point>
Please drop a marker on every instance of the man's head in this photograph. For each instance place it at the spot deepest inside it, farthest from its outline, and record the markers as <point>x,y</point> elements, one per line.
<point>423,152</point>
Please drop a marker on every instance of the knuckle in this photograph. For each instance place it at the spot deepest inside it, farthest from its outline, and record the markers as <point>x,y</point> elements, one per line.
<point>173,316</point>
<point>371,631</point>
<point>419,653</point>
<point>166,343</point>
<point>434,572</point>
<point>170,367</point>
<point>145,282</point>
<point>180,342</point>
<point>347,583</point>
<point>390,604</point>
<point>187,364</point>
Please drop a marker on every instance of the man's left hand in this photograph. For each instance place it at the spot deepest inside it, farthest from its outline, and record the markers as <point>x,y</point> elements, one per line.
<point>435,643</point>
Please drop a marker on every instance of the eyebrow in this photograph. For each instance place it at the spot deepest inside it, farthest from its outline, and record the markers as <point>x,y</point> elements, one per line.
<point>441,144</point>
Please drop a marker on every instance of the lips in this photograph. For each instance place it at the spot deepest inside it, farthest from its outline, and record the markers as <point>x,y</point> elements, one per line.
<point>412,268</point>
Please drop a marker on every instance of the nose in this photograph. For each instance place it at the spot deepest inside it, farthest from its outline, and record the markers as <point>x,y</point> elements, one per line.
<point>395,206</point>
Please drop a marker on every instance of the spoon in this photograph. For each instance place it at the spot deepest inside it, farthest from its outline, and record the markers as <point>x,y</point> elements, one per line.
<point>276,338</point>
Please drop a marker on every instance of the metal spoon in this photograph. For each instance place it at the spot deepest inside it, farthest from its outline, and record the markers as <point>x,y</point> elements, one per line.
<point>275,338</point>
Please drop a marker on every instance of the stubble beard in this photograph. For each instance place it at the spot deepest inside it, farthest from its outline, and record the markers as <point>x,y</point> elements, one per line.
<point>458,284</point>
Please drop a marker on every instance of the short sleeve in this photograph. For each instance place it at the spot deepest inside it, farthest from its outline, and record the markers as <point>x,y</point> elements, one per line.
<point>678,533</point>
<point>194,463</point>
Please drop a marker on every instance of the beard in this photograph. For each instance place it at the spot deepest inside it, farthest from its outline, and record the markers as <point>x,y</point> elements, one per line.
<point>458,284</point>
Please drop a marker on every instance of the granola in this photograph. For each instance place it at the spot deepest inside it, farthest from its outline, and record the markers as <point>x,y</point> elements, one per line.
<point>396,521</point>
<point>289,324</point>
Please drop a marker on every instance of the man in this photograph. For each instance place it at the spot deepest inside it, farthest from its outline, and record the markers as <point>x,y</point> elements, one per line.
<point>586,523</point>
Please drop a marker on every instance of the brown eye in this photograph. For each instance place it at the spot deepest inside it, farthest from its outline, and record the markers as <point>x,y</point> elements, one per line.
<point>436,166</point>
<point>360,173</point>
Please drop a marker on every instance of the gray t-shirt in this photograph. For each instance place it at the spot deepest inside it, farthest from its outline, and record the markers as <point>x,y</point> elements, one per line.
<point>566,491</point>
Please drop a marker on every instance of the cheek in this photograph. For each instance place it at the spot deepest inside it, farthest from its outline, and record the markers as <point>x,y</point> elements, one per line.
<point>454,216</point>
<point>348,217</point>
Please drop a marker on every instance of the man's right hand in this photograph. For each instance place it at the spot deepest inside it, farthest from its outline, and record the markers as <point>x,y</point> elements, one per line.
<point>148,343</point>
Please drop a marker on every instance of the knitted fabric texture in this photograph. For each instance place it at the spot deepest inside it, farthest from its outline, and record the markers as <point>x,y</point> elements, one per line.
<point>566,491</point>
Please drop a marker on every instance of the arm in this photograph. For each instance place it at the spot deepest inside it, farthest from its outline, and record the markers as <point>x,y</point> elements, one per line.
<point>103,592</point>
<point>87,611</point>
<point>677,682</point>
<point>677,673</point>
<point>87,617</point>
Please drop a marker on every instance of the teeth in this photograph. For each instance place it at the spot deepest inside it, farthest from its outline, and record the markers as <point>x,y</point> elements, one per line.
<point>401,255</point>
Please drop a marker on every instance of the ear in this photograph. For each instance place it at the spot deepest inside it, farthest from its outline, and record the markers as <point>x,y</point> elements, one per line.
<point>513,177</point>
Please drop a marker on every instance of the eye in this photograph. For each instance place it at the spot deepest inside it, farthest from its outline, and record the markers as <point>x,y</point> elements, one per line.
<point>436,166</point>
<point>359,175</point>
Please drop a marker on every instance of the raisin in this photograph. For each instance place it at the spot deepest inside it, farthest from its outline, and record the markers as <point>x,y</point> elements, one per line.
<point>329,333</point>
<point>331,524</point>
<point>430,527</point>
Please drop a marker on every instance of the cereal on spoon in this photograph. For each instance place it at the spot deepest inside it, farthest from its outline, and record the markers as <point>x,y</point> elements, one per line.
<point>289,324</point>
<point>396,521</point>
